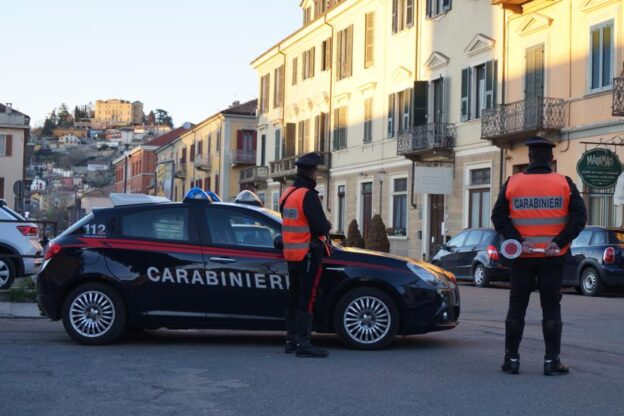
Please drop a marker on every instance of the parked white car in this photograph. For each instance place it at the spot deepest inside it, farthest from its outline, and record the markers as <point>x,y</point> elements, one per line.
<point>20,251</point>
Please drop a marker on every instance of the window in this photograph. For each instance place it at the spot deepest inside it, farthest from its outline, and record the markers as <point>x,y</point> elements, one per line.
<point>399,206</point>
<point>368,120</point>
<point>582,239</point>
<point>437,7</point>
<point>264,93</point>
<point>405,104</point>
<point>6,144</point>
<point>599,238</point>
<point>275,201</point>
<point>601,210</point>
<point>326,48</point>
<point>278,144</point>
<point>307,64</point>
<point>344,54</point>
<point>340,128</point>
<point>400,109</point>
<point>391,109</point>
<point>237,228</point>
<point>479,197</point>
<point>160,224</point>
<point>474,238</point>
<point>478,89</point>
<point>303,136</point>
<point>295,62</point>
<point>402,15</point>
<point>278,86</point>
<point>458,240</point>
<point>601,56</point>
<point>369,34</point>
<point>321,126</point>
<point>341,207</point>
<point>262,150</point>
<point>307,15</point>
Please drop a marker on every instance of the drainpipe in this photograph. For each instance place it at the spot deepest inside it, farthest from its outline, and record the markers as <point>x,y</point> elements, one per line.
<point>416,76</point>
<point>503,92</point>
<point>282,136</point>
<point>330,115</point>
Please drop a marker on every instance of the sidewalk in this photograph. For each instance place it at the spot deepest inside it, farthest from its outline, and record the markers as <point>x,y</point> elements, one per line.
<point>19,310</point>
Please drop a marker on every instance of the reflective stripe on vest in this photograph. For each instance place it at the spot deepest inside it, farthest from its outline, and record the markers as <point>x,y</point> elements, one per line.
<point>538,207</point>
<point>296,234</point>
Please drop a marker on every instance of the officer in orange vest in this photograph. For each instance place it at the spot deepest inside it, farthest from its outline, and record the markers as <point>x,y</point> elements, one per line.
<point>543,210</point>
<point>304,227</point>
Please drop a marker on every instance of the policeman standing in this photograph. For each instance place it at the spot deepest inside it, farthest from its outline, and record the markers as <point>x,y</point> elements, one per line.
<point>304,227</point>
<point>542,210</point>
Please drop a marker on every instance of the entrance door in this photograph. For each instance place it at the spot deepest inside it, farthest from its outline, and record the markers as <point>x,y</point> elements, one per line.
<point>436,217</point>
<point>367,207</point>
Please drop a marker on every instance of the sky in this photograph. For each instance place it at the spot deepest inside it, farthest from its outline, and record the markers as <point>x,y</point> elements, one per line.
<point>189,57</point>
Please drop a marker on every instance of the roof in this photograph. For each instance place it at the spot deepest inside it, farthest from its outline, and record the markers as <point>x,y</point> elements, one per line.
<point>100,192</point>
<point>168,137</point>
<point>246,109</point>
<point>4,107</point>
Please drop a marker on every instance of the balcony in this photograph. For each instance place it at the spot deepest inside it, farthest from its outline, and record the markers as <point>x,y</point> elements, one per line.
<point>284,169</point>
<point>514,122</point>
<point>180,172</point>
<point>514,5</point>
<point>243,157</point>
<point>254,175</point>
<point>202,162</point>
<point>428,142</point>
<point>618,97</point>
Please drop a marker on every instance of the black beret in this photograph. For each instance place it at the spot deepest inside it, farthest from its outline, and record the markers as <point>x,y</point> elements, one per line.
<point>537,141</point>
<point>309,160</point>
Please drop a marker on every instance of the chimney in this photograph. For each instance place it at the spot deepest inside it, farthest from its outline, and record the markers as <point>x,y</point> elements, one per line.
<point>235,103</point>
<point>9,108</point>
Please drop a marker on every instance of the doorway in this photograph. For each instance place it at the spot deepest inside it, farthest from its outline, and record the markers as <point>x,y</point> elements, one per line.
<point>436,218</point>
<point>367,207</point>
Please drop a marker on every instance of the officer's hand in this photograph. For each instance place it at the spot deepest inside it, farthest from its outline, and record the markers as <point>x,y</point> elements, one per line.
<point>527,247</point>
<point>552,249</point>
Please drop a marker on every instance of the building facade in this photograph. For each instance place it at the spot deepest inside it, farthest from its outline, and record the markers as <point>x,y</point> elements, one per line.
<point>117,112</point>
<point>14,132</point>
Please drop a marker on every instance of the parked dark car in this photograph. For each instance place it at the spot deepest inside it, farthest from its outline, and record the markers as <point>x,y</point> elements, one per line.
<point>473,255</point>
<point>596,260</point>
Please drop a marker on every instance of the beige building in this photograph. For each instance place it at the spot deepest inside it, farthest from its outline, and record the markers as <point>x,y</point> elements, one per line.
<point>14,131</point>
<point>117,112</point>
<point>212,154</point>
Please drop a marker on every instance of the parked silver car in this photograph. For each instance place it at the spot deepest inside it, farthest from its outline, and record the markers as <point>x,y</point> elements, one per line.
<point>20,250</point>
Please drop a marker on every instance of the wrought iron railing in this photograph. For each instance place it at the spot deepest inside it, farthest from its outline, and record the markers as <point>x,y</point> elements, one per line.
<point>286,167</point>
<point>254,174</point>
<point>202,162</point>
<point>618,97</point>
<point>533,114</point>
<point>243,156</point>
<point>426,137</point>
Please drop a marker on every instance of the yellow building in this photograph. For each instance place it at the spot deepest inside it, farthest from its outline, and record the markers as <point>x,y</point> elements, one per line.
<point>117,112</point>
<point>212,154</point>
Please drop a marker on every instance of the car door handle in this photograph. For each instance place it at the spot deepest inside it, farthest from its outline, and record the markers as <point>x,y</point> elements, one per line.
<point>222,259</point>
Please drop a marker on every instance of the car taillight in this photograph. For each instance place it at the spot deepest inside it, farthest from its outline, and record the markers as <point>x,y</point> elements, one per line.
<point>492,253</point>
<point>28,230</point>
<point>609,255</point>
<point>52,250</point>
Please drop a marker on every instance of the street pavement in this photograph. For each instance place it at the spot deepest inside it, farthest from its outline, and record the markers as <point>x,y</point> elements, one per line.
<point>43,372</point>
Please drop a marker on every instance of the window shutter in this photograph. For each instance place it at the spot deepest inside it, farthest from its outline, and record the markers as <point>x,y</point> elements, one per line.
<point>395,15</point>
<point>465,94</point>
<point>429,8</point>
<point>349,71</point>
<point>409,13</point>
<point>339,56</point>
<point>336,129</point>
<point>254,139</point>
<point>317,132</point>
<point>312,64</point>
<point>539,71</point>
<point>192,155</point>
<point>421,91</point>
<point>239,140</point>
<point>607,53</point>
<point>290,139</point>
<point>200,146</point>
<point>369,41</point>
<point>328,54</point>
<point>391,100</point>
<point>278,145</point>
<point>446,91</point>
<point>294,71</point>
<point>490,83</point>
<point>8,145</point>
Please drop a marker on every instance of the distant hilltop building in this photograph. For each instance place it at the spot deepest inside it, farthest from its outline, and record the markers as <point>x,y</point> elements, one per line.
<point>118,112</point>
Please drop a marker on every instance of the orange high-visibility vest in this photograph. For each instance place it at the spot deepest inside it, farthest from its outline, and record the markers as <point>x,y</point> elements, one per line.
<point>296,234</point>
<point>538,207</point>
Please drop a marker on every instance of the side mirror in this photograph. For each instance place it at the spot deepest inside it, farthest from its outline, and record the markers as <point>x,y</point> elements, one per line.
<point>278,243</point>
<point>445,247</point>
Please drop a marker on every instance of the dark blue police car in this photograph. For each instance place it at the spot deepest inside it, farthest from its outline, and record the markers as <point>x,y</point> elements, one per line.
<point>150,263</point>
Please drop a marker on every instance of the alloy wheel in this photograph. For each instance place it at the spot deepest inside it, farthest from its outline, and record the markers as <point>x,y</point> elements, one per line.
<point>367,319</point>
<point>5,273</point>
<point>92,314</point>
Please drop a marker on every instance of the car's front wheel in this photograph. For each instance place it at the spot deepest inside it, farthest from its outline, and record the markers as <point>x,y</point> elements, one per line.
<point>7,273</point>
<point>366,318</point>
<point>94,314</point>
<point>591,284</point>
<point>479,276</point>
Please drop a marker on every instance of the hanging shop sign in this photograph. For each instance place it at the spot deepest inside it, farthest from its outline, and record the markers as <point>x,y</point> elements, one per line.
<point>599,168</point>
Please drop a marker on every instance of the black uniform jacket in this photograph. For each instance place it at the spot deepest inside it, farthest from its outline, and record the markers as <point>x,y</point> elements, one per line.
<point>312,208</point>
<point>577,213</point>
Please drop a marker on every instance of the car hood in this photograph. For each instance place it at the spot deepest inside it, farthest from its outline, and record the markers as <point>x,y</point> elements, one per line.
<point>376,257</point>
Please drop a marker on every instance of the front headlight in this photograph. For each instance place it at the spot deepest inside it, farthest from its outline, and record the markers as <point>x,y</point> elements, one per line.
<point>429,276</point>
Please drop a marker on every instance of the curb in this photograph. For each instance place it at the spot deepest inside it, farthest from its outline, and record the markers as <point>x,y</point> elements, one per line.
<point>13,310</point>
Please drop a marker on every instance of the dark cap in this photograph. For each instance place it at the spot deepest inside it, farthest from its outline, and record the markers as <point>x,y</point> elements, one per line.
<point>310,160</point>
<point>537,141</point>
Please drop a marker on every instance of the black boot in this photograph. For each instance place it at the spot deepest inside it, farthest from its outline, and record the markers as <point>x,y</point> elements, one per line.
<point>291,334</point>
<point>513,336</point>
<point>552,339</point>
<point>304,346</point>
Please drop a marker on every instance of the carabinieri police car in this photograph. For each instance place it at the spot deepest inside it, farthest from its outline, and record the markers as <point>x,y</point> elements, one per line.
<point>151,263</point>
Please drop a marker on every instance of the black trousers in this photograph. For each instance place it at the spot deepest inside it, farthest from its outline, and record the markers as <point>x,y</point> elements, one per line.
<point>527,275</point>
<point>304,278</point>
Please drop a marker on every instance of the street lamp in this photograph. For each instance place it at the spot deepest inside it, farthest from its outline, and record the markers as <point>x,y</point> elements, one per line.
<point>126,142</point>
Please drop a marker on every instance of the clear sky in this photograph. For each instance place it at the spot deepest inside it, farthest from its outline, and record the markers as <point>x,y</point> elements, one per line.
<point>189,57</point>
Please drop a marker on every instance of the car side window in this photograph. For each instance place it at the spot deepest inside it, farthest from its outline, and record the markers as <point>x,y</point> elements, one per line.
<point>458,240</point>
<point>160,224</point>
<point>599,238</point>
<point>582,239</point>
<point>238,228</point>
<point>473,238</point>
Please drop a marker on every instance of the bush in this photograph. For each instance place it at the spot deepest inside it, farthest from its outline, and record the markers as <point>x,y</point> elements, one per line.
<point>354,237</point>
<point>377,236</point>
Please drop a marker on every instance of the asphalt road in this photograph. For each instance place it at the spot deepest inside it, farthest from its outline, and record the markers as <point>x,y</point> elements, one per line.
<point>42,372</point>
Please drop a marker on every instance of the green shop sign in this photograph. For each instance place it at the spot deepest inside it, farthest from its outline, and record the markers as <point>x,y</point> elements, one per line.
<point>599,168</point>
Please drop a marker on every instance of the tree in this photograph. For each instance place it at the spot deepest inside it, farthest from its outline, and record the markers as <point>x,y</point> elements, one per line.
<point>354,238</point>
<point>150,119</point>
<point>48,126</point>
<point>163,118</point>
<point>377,237</point>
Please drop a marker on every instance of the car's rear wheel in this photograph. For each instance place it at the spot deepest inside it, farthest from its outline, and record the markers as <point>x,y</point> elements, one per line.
<point>7,273</point>
<point>366,318</point>
<point>94,314</point>
<point>479,276</point>
<point>591,284</point>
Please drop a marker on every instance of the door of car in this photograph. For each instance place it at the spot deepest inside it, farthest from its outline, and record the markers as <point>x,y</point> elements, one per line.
<point>249,274</point>
<point>157,256</point>
<point>468,252</point>
<point>449,253</point>
<point>579,249</point>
